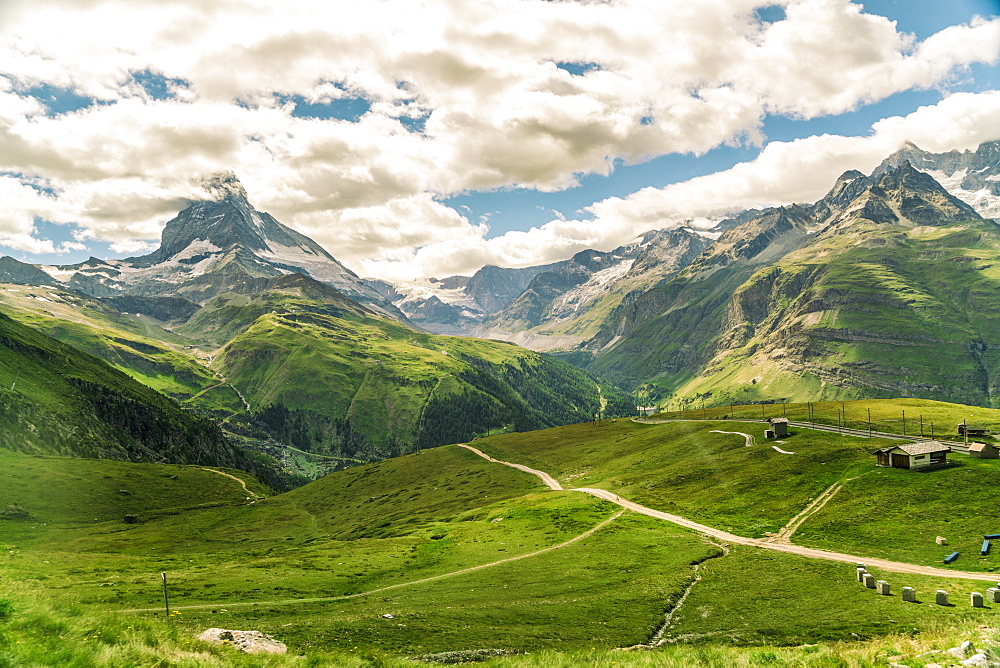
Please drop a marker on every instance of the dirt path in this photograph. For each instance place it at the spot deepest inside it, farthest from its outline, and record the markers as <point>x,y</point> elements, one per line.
<point>546,478</point>
<point>749,439</point>
<point>292,601</point>
<point>812,553</point>
<point>253,496</point>
<point>785,535</point>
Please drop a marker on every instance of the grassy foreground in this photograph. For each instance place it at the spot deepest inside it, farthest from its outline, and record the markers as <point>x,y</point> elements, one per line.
<point>442,552</point>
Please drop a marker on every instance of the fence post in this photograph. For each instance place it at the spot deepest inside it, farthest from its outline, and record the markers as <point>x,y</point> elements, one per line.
<point>166,597</point>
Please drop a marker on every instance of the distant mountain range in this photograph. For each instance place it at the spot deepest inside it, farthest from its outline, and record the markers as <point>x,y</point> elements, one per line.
<point>244,320</point>
<point>884,287</point>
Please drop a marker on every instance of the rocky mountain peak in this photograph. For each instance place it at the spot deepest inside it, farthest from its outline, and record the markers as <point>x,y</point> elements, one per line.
<point>223,185</point>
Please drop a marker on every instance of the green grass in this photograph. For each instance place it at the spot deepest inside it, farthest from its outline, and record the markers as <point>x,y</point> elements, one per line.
<point>922,417</point>
<point>685,469</point>
<point>235,564</point>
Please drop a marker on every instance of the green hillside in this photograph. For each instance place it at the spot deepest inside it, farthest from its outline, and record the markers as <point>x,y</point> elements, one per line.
<point>442,551</point>
<point>56,400</point>
<point>304,374</point>
<point>329,376</point>
<point>141,346</point>
<point>880,311</point>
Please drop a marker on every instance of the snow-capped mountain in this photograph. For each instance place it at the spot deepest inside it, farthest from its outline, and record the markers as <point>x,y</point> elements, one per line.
<point>214,246</point>
<point>971,176</point>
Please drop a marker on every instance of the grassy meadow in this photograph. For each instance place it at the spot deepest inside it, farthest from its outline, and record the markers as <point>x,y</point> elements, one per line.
<point>442,551</point>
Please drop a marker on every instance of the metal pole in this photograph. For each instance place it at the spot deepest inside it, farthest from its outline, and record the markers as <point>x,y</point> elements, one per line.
<point>166,597</point>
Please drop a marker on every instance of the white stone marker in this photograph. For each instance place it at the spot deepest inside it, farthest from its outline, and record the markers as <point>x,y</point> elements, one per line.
<point>869,580</point>
<point>976,599</point>
<point>941,540</point>
<point>861,574</point>
<point>883,587</point>
<point>909,594</point>
<point>993,595</point>
<point>941,597</point>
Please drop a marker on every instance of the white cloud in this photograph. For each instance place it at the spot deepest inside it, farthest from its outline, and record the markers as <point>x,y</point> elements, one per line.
<point>670,76</point>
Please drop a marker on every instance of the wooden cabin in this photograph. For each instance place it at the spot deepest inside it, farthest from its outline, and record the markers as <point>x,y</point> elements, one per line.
<point>983,451</point>
<point>914,456</point>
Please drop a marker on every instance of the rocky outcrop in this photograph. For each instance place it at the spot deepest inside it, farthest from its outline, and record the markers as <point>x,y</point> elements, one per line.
<point>249,642</point>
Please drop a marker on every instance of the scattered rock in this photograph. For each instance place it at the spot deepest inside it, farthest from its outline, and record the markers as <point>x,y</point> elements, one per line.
<point>463,656</point>
<point>250,642</point>
<point>15,512</point>
<point>977,660</point>
<point>387,616</point>
<point>962,650</point>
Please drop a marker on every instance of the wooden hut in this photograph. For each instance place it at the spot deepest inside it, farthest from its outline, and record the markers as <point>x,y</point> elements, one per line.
<point>914,456</point>
<point>983,451</point>
<point>779,426</point>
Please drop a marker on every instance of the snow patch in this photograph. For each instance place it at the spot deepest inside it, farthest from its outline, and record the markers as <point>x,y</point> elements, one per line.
<point>570,303</point>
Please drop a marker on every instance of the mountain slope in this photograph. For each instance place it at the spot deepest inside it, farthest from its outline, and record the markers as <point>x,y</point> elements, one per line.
<point>56,400</point>
<point>345,381</point>
<point>567,305</point>
<point>821,301</point>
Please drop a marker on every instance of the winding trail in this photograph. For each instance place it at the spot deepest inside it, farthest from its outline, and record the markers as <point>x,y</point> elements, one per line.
<point>552,483</point>
<point>767,544</point>
<point>345,597</point>
<point>253,496</point>
<point>751,441</point>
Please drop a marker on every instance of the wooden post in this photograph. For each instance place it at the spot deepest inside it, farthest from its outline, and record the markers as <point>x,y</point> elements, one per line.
<point>784,411</point>
<point>869,423</point>
<point>166,597</point>
<point>904,423</point>
<point>932,430</point>
<point>965,430</point>
<point>762,411</point>
<point>921,425</point>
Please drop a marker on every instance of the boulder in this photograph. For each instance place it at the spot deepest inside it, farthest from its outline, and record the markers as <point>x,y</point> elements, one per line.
<point>250,642</point>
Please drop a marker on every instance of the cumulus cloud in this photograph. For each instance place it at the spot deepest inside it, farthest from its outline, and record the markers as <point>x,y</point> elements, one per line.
<point>458,96</point>
<point>784,172</point>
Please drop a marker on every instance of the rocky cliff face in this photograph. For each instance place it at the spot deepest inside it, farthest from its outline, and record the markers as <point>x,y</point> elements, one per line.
<point>563,307</point>
<point>971,176</point>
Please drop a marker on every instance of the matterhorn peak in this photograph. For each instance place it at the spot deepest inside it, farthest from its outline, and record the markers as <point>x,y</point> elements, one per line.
<point>223,185</point>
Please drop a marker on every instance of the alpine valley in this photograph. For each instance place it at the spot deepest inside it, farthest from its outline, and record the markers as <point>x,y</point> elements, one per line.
<point>237,432</point>
<point>882,288</point>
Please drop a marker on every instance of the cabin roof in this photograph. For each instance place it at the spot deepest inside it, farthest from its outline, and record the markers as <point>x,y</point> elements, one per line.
<point>918,448</point>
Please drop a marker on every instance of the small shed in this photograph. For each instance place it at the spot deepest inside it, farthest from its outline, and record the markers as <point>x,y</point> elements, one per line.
<point>779,426</point>
<point>915,456</point>
<point>983,451</point>
<point>972,429</point>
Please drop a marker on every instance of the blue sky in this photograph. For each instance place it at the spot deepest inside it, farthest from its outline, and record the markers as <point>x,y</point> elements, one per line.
<point>420,141</point>
<point>518,209</point>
